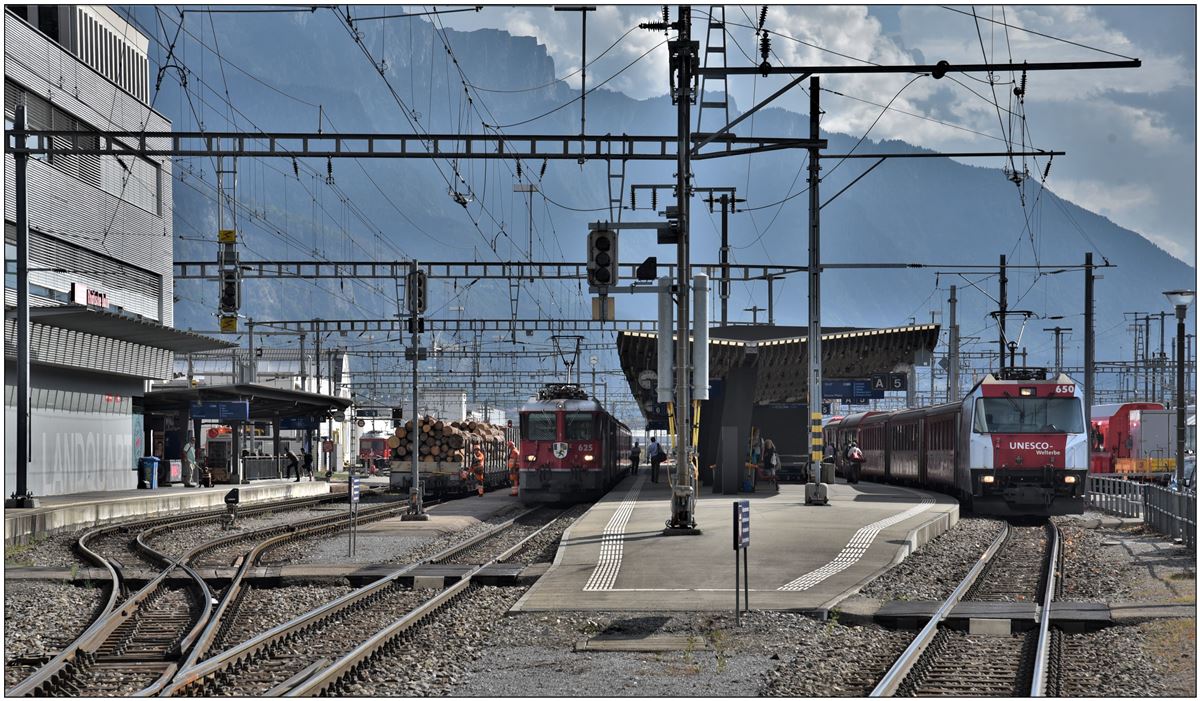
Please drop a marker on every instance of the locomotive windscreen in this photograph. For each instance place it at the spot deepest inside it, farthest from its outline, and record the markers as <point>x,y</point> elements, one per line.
<point>1028,415</point>
<point>579,426</point>
<point>541,426</point>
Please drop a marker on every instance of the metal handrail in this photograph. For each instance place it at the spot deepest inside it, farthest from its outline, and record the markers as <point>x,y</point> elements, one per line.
<point>904,664</point>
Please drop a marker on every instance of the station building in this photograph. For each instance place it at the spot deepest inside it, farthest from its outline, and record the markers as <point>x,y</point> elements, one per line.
<point>100,251</point>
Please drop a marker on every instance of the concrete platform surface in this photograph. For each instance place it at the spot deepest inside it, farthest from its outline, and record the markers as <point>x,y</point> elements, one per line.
<point>616,558</point>
<point>85,509</point>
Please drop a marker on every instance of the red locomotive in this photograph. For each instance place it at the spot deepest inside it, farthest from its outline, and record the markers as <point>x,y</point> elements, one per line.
<point>571,448</point>
<point>1015,445</point>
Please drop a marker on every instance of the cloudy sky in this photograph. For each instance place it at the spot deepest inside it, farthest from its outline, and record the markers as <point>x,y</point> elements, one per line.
<point>1129,134</point>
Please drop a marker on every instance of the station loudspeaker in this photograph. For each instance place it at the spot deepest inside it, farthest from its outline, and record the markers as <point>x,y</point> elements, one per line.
<point>602,268</point>
<point>648,269</point>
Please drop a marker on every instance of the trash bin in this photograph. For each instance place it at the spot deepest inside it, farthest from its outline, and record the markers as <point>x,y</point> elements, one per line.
<point>148,472</point>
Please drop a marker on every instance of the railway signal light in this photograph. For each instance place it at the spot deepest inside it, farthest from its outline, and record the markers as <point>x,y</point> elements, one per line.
<point>418,286</point>
<point>602,258</point>
<point>231,292</point>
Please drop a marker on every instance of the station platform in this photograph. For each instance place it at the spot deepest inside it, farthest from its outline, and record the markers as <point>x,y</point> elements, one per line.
<point>801,558</point>
<point>69,512</point>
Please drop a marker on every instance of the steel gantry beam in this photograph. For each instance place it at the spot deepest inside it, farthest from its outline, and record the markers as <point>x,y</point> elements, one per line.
<point>212,144</point>
<point>477,325</point>
<point>449,270</point>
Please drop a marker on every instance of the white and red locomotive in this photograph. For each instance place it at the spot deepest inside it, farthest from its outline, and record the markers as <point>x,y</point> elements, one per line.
<point>1015,445</point>
<point>571,448</point>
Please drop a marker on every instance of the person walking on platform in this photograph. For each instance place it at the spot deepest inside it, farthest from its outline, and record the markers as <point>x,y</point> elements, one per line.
<point>293,465</point>
<point>770,463</point>
<point>514,466</point>
<point>190,473</point>
<point>855,459</point>
<point>655,452</point>
<point>308,465</point>
<point>477,468</point>
<point>635,454</point>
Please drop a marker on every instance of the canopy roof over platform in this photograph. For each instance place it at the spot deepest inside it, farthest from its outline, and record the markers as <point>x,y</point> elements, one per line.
<point>780,356</point>
<point>266,403</point>
<point>101,322</point>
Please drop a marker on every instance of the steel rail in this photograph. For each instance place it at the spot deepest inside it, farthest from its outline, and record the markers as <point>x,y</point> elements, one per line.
<point>213,627</point>
<point>1041,660</point>
<point>187,678</point>
<point>108,619</point>
<point>890,682</point>
<point>320,683</point>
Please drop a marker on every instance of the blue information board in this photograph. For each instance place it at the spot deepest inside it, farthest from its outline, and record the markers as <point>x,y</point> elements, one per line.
<point>849,389</point>
<point>222,411</point>
<point>299,423</point>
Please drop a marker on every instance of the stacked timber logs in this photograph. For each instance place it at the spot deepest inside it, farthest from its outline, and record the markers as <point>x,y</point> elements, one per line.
<point>442,441</point>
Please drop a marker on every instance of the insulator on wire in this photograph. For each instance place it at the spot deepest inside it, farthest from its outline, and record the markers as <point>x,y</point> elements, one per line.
<point>666,14</point>
<point>1046,173</point>
<point>654,198</point>
<point>766,47</point>
<point>762,18</point>
<point>329,170</point>
<point>542,174</point>
<point>518,169</point>
<point>295,168</point>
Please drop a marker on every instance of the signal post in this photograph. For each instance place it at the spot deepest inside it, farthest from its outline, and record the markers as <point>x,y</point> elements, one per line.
<point>417,299</point>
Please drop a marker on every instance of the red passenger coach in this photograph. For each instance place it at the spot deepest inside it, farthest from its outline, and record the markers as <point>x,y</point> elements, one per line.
<point>571,448</point>
<point>1015,445</point>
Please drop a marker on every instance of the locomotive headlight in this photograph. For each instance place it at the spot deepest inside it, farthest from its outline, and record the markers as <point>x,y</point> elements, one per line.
<point>988,479</point>
<point>530,458</point>
<point>589,458</point>
<point>1069,479</point>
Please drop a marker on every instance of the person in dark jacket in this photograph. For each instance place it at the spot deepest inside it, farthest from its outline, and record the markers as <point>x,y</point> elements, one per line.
<point>657,455</point>
<point>770,463</point>
<point>293,466</point>
<point>308,464</point>
<point>635,455</point>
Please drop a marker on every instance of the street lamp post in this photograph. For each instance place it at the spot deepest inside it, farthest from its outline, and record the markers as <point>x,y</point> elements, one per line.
<point>1181,299</point>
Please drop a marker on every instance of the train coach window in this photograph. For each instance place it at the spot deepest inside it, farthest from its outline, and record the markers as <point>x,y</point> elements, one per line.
<point>541,426</point>
<point>579,427</point>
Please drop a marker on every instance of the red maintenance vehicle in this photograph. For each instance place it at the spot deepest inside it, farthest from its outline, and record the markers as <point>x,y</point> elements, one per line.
<point>1016,445</point>
<point>1133,439</point>
<point>571,448</point>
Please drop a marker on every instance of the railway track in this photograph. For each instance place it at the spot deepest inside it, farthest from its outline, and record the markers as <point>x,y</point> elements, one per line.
<point>944,662</point>
<point>312,653</point>
<point>136,639</point>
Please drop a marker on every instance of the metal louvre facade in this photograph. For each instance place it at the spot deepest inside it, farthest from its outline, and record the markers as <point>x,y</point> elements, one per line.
<point>51,345</point>
<point>76,201</point>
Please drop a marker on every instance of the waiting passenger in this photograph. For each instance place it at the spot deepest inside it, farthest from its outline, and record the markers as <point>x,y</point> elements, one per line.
<point>308,464</point>
<point>635,456</point>
<point>855,459</point>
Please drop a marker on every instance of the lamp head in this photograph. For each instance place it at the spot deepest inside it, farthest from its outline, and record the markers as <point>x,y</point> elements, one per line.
<point>1180,298</point>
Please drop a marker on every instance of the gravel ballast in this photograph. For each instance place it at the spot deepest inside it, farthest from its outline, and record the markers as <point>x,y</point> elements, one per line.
<point>50,551</point>
<point>933,571</point>
<point>42,618</point>
<point>264,608</point>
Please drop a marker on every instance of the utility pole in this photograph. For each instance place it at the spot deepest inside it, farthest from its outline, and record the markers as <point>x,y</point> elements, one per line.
<point>1089,341</point>
<point>1002,318</point>
<point>1160,361</point>
<point>952,380</point>
<point>253,365</point>
<point>684,55</point>
<point>416,306</point>
<point>21,496</point>
<point>582,10</point>
<point>815,491</point>
<point>754,312</point>
<point>1146,358</point>
<point>1058,347</point>
<point>771,300</point>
